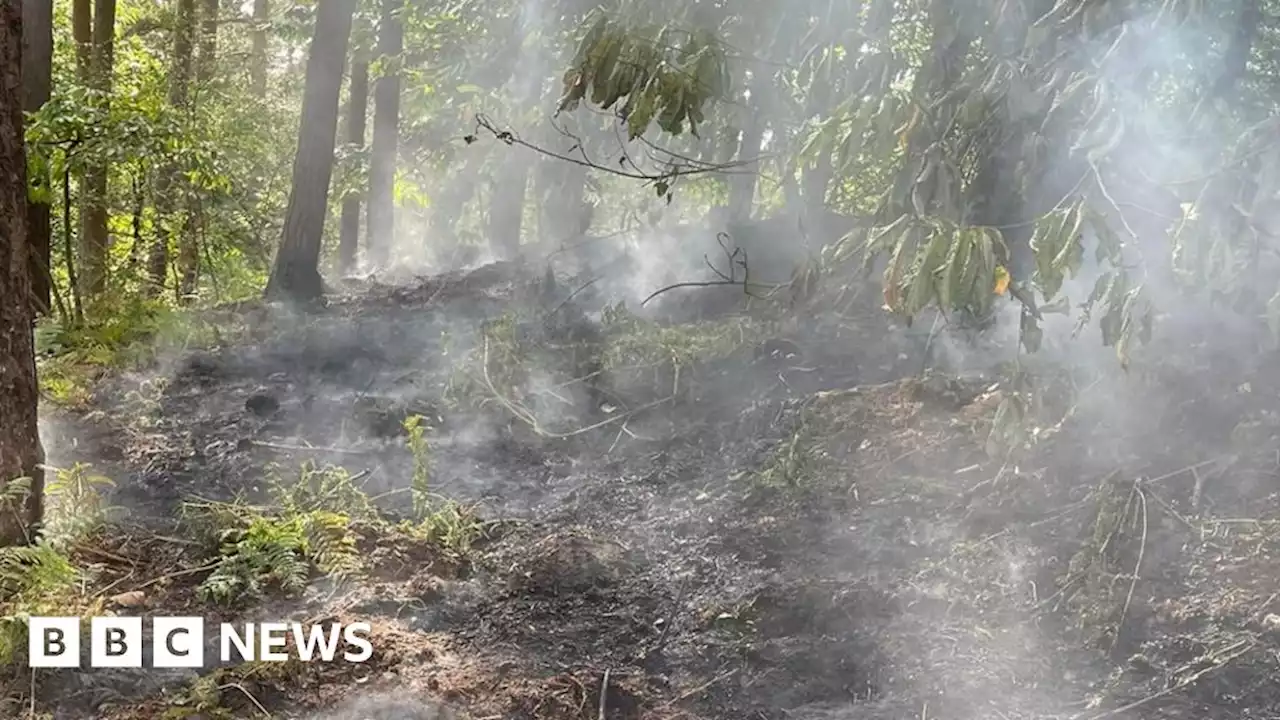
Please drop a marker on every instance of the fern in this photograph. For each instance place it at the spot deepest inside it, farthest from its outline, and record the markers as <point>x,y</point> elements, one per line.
<point>262,552</point>
<point>34,580</point>
<point>268,554</point>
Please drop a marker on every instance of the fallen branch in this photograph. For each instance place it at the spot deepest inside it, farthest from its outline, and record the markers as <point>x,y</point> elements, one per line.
<point>311,448</point>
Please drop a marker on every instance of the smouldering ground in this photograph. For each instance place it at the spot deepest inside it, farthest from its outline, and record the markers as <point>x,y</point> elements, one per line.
<point>753,536</point>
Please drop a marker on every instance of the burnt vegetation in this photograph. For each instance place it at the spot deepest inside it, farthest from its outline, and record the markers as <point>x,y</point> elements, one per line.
<point>667,360</point>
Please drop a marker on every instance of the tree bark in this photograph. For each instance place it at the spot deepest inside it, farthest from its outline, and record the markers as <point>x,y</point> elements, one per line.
<point>82,33</point>
<point>295,274</point>
<point>456,193</point>
<point>170,177</point>
<point>37,83</point>
<point>742,186</point>
<point>94,211</point>
<point>380,229</point>
<point>357,111</point>
<point>189,239</point>
<point>20,451</point>
<point>258,53</point>
<point>506,210</point>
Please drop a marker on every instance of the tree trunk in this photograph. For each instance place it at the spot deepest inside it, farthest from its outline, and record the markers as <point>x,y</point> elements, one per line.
<point>258,54</point>
<point>295,274</point>
<point>37,82</point>
<point>357,111</point>
<point>189,239</point>
<point>170,177</point>
<point>560,189</point>
<point>94,210</point>
<point>20,452</point>
<point>742,186</point>
<point>506,209</point>
<point>82,33</point>
<point>456,193</point>
<point>380,230</point>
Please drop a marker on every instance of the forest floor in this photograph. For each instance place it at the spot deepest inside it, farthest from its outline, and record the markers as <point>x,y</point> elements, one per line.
<point>731,518</point>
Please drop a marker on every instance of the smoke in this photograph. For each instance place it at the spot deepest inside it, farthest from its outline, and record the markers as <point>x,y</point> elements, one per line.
<point>388,705</point>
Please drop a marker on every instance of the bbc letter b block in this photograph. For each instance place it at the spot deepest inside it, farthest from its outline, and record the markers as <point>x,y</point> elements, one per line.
<point>53,642</point>
<point>116,642</point>
<point>179,642</point>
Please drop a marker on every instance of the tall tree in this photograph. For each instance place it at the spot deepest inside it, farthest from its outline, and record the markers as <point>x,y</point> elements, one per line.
<point>357,110</point>
<point>189,241</point>
<point>380,229</point>
<point>295,274</point>
<point>82,33</point>
<point>37,84</point>
<point>94,211</point>
<point>258,55</point>
<point>20,452</point>
<point>171,227</point>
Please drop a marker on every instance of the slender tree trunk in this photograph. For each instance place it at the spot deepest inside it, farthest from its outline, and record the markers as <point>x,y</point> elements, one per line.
<point>295,274</point>
<point>258,53</point>
<point>357,111</point>
<point>444,214</point>
<point>20,451</point>
<point>380,230</point>
<point>37,81</point>
<point>82,33</point>
<point>94,210</point>
<point>189,239</point>
<point>169,180</point>
<point>742,186</point>
<point>506,210</point>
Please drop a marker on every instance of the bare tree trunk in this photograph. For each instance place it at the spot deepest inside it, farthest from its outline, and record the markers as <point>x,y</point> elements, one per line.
<point>295,274</point>
<point>742,186</point>
<point>506,210</point>
<point>380,230</point>
<point>170,177</point>
<point>82,33</point>
<point>189,239</point>
<point>20,451</point>
<point>37,82</point>
<point>457,192</point>
<point>357,111</point>
<point>94,211</point>
<point>258,54</point>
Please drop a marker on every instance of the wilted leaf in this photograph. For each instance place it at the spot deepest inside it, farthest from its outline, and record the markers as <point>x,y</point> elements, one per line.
<point>1002,280</point>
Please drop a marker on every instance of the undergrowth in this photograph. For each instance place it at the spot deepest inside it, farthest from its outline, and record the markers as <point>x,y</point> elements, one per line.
<point>206,696</point>
<point>42,579</point>
<point>311,529</point>
<point>261,549</point>
<point>73,355</point>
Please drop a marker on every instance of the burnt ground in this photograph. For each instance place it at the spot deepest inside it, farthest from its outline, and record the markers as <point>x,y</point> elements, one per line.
<point>798,524</point>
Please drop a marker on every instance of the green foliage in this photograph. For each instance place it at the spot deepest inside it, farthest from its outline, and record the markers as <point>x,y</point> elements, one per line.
<point>42,579</point>
<point>124,336</point>
<point>421,484</point>
<point>632,342</point>
<point>34,580</point>
<point>75,507</point>
<point>665,75</point>
<point>261,551</point>
<point>204,696</point>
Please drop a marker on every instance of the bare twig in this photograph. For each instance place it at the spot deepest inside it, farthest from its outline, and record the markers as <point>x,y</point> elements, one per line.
<point>1248,645</point>
<point>247,694</point>
<point>311,448</point>
<point>1137,566</point>
<point>604,693</point>
<point>178,573</point>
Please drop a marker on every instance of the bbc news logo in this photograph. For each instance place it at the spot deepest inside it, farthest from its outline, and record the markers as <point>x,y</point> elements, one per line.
<point>179,642</point>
